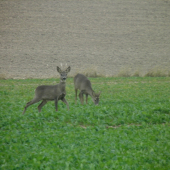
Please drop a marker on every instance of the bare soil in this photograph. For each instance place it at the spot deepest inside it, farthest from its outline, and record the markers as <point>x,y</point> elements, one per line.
<point>104,38</point>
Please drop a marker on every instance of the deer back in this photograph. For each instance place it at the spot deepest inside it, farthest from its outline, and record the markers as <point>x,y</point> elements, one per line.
<point>81,82</point>
<point>48,92</point>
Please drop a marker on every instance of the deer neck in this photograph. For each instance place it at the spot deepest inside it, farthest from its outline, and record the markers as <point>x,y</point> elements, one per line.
<point>62,86</point>
<point>62,83</point>
<point>90,92</point>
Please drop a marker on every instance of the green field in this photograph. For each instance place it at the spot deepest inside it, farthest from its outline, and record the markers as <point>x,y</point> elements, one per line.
<point>128,130</point>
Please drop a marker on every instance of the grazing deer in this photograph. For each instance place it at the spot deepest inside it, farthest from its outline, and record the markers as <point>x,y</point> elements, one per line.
<point>51,92</point>
<point>82,83</point>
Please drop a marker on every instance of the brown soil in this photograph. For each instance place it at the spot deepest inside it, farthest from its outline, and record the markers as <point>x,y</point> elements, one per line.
<point>95,37</point>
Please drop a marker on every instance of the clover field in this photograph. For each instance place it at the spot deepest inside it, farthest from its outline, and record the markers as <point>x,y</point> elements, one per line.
<point>128,130</point>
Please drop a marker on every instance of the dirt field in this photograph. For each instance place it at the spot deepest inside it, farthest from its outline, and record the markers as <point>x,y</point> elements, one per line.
<point>106,38</point>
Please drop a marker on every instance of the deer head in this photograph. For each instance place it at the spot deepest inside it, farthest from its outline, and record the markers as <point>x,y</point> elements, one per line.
<point>63,74</point>
<point>96,97</point>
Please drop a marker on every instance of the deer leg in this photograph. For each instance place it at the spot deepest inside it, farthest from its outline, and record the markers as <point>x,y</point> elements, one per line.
<point>81,97</point>
<point>35,100</point>
<point>75,96</point>
<point>41,105</point>
<point>56,104</point>
<point>65,101</point>
<point>86,98</point>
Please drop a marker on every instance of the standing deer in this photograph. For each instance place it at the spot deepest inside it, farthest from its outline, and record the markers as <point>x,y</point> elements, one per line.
<point>82,83</point>
<point>51,92</point>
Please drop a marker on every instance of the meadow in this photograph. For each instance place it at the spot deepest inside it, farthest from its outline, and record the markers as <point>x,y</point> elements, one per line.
<point>128,130</point>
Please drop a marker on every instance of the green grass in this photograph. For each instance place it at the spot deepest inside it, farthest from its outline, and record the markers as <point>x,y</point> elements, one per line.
<point>128,130</point>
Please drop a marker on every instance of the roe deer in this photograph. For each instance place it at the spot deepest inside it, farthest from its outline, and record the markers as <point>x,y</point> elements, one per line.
<point>51,92</point>
<point>82,83</point>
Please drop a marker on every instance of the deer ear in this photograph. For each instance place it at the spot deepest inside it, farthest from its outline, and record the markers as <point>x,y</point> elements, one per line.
<point>68,69</point>
<point>58,69</point>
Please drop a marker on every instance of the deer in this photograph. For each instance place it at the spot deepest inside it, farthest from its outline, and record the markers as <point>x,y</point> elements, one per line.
<point>82,83</point>
<point>51,92</point>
